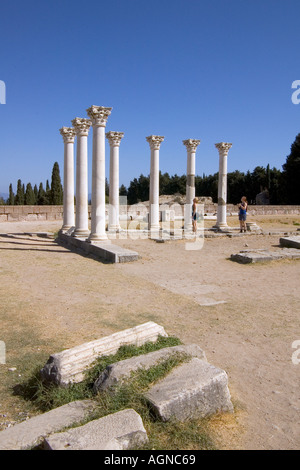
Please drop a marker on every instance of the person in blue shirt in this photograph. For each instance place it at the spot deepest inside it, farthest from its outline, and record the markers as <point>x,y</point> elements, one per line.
<point>243,213</point>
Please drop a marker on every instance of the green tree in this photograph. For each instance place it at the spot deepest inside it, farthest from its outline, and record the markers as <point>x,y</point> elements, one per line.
<point>56,191</point>
<point>36,193</point>
<point>29,195</point>
<point>11,197</point>
<point>41,199</point>
<point>20,196</point>
<point>123,190</point>
<point>291,174</point>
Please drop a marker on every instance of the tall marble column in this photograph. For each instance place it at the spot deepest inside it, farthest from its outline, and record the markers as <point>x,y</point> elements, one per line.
<point>81,126</point>
<point>191,146</point>
<point>99,116</point>
<point>154,142</point>
<point>68,135</point>
<point>223,148</point>
<point>114,139</point>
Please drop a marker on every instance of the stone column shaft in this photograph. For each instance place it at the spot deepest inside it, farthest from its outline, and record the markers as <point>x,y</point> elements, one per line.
<point>98,115</point>
<point>68,134</point>
<point>191,146</point>
<point>81,127</point>
<point>223,148</point>
<point>114,139</point>
<point>154,142</point>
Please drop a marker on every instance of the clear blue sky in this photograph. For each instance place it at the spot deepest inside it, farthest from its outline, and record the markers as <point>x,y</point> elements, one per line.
<point>214,70</point>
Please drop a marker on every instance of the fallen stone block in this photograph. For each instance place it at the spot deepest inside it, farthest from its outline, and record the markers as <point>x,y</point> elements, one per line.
<point>290,242</point>
<point>69,366</point>
<point>117,372</point>
<point>256,256</point>
<point>193,390</point>
<point>123,430</point>
<point>31,432</point>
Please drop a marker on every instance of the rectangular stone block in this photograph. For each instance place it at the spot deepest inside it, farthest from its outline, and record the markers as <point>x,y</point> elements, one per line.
<point>123,430</point>
<point>69,366</point>
<point>117,372</point>
<point>290,242</point>
<point>30,433</point>
<point>193,390</point>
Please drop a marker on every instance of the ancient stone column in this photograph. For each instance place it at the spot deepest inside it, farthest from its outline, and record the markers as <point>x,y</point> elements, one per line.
<point>191,146</point>
<point>114,139</point>
<point>223,148</point>
<point>68,134</point>
<point>154,142</point>
<point>99,116</point>
<point>81,126</point>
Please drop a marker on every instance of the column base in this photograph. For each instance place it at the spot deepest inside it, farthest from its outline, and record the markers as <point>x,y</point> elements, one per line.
<point>80,233</point>
<point>95,237</point>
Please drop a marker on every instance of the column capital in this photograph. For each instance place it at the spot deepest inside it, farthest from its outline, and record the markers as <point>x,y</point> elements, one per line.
<point>68,134</point>
<point>155,141</point>
<point>223,148</point>
<point>81,126</point>
<point>114,138</point>
<point>191,144</point>
<point>98,115</point>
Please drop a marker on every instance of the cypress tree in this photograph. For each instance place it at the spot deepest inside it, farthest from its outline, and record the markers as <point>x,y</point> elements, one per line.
<point>41,199</point>
<point>29,196</point>
<point>36,193</point>
<point>11,197</point>
<point>56,187</point>
<point>19,199</point>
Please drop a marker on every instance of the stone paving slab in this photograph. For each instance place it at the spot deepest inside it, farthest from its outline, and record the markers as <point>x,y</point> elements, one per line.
<point>117,372</point>
<point>31,432</point>
<point>193,390</point>
<point>123,430</point>
<point>68,366</point>
<point>290,242</point>
<point>256,256</point>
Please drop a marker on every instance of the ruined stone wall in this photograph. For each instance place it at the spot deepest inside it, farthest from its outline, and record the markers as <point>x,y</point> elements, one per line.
<point>31,213</point>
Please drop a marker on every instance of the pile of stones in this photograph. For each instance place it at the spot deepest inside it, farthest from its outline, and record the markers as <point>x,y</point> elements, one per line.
<point>194,389</point>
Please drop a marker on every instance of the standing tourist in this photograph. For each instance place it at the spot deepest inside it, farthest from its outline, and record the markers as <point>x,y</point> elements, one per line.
<point>243,214</point>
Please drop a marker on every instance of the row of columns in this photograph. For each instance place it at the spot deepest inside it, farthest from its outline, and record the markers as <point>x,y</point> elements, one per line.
<point>98,116</point>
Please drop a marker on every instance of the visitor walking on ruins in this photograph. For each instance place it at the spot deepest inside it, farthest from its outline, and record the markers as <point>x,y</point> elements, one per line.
<point>243,213</point>
<point>194,214</point>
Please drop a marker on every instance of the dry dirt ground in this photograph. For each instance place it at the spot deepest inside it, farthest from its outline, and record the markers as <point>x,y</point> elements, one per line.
<point>245,317</point>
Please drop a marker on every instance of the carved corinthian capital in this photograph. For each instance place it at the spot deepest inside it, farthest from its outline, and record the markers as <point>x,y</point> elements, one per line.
<point>68,134</point>
<point>81,126</point>
<point>155,141</point>
<point>98,115</point>
<point>191,144</point>
<point>223,148</point>
<point>114,138</point>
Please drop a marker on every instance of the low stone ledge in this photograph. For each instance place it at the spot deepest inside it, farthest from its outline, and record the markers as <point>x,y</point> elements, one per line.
<point>193,390</point>
<point>31,432</point>
<point>123,430</point>
<point>69,366</point>
<point>105,251</point>
<point>117,372</point>
<point>290,242</point>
